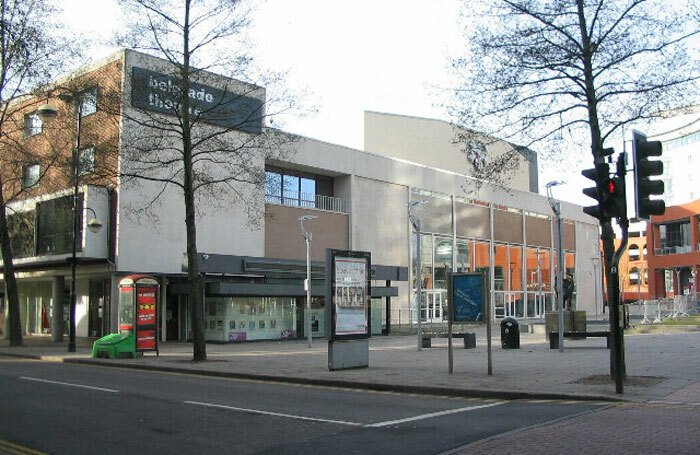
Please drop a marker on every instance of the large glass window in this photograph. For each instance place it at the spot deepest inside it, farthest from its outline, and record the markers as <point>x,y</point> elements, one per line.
<point>253,318</point>
<point>463,256</point>
<point>300,189</point>
<point>481,256</point>
<point>442,261</point>
<point>55,225</point>
<point>674,238</point>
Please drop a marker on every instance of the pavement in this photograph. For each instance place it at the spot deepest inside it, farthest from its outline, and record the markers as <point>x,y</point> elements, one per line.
<point>662,368</point>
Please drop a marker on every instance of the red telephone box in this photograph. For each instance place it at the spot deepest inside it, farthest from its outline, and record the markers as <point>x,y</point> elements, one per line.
<point>138,310</point>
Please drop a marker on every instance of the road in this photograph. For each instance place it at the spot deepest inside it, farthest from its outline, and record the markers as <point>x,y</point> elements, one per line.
<point>59,409</point>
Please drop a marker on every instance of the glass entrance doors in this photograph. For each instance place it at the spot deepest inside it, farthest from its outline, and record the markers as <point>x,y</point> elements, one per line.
<point>508,281</point>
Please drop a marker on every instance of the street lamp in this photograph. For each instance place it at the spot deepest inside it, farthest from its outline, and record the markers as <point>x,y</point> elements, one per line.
<point>307,238</point>
<point>47,113</point>
<point>416,226</point>
<point>556,208</point>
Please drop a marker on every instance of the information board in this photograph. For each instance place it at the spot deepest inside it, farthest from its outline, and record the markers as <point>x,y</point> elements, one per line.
<point>350,294</point>
<point>468,297</point>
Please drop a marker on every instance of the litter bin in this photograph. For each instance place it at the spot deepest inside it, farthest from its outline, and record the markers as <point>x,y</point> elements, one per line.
<point>510,334</point>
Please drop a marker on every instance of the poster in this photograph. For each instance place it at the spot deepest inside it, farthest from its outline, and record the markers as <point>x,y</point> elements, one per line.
<point>468,297</point>
<point>351,294</point>
<point>145,318</point>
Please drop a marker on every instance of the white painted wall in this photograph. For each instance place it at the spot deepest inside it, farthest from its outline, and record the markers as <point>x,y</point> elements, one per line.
<point>154,241</point>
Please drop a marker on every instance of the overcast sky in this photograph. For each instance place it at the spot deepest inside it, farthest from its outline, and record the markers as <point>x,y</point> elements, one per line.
<point>381,55</point>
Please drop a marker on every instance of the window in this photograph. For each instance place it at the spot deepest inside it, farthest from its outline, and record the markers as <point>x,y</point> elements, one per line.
<point>674,238</point>
<point>86,161</point>
<point>30,175</point>
<point>55,225</point>
<point>300,189</point>
<point>634,276</point>
<point>633,252</point>
<point>88,102</point>
<point>32,124</point>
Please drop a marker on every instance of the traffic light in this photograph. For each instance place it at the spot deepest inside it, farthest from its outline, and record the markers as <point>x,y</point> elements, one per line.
<point>644,168</point>
<point>599,174</point>
<point>609,192</point>
<point>614,201</point>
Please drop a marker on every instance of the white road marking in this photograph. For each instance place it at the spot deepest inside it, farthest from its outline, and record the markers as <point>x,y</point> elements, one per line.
<point>68,384</point>
<point>342,422</point>
<point>431,415</point>
<point>276,414</point>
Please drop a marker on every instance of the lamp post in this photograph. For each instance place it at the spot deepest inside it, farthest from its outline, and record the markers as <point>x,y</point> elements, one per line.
<point>416,227</point>
<point>47,113</point>
<point>556,208</point>
<point>307,238</point>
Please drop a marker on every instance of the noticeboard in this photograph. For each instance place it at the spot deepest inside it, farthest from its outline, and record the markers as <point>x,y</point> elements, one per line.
<point>468,293</point>
<point>350,287</point>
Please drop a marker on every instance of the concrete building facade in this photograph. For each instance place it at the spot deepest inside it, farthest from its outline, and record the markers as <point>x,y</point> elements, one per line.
<point>252,253</point>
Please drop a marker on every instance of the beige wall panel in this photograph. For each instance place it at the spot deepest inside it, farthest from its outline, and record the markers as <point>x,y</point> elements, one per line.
<point>283,238</point>
<point>380,221</point>
<point>507,226</point>
<point>537,231</point>
<point>435,216</point>
<point>472,221</point>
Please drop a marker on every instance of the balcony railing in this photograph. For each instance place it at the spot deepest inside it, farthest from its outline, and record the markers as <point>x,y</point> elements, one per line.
<point>673,250</point>
<point>308,200</point>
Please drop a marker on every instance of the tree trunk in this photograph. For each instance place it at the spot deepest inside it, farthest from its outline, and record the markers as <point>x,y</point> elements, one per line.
<point>12,295</point>
<point>199,347</point>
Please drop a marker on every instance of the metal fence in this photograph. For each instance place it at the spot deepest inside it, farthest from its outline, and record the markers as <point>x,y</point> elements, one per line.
<point>655,311</point>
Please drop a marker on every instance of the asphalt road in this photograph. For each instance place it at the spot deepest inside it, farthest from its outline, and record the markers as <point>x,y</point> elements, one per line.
<point>75,409</point>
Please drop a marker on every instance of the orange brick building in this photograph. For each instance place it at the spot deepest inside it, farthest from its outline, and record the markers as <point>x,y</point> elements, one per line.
<point>674,253</point>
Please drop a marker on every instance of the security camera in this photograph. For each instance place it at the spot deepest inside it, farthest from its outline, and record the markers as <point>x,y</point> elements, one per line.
<point>94,225</point>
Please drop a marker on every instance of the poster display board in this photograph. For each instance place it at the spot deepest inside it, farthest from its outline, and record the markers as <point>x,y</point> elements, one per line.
<point>469,303</point>
<point>350,275</point>
<point>146,324</point>
<point>468,297</point>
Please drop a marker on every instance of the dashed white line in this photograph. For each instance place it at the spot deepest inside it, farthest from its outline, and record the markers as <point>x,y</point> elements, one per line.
<point>431,415</point>
<point>276,414</point>
<point>27,378</point>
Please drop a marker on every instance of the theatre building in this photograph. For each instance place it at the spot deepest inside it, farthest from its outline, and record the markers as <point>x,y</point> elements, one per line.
<point>254,271</point>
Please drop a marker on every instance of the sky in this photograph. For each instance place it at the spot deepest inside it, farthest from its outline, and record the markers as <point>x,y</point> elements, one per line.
<point>378,55</point>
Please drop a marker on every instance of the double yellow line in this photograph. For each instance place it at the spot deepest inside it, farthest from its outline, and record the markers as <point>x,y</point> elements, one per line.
<point>7,447</point>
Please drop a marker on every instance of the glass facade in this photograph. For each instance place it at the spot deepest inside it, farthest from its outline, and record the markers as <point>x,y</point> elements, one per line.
<point>523,266</point>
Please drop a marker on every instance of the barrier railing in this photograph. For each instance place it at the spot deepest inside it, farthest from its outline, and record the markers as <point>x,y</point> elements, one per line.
<point>655,311</point>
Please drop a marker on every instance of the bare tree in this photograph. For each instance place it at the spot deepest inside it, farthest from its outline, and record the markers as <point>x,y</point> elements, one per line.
<point>208,151</point>
<point>541,72</point>
<point>31,53</point>
<point>546,72</point>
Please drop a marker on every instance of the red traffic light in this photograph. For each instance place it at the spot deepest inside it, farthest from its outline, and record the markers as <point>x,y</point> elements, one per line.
<point>611,187</point>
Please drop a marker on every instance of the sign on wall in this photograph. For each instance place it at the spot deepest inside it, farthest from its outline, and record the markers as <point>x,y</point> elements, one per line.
<point>468,292</point>
<point>162,93</point>
<point>350,294</point>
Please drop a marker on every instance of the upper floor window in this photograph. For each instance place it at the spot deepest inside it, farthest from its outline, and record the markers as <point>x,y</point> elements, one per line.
<point>674,238</point>
<point>88,102</point>
<point>32,124</point>
<point>633,252</point>
<point>30,175</point>
<point>86,161</point>
<point>300,189</point>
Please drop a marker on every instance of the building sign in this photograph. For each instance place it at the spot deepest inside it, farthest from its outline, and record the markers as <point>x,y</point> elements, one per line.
<point>350,293</point>
<point>468,297</point>
<point>162,93</point>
